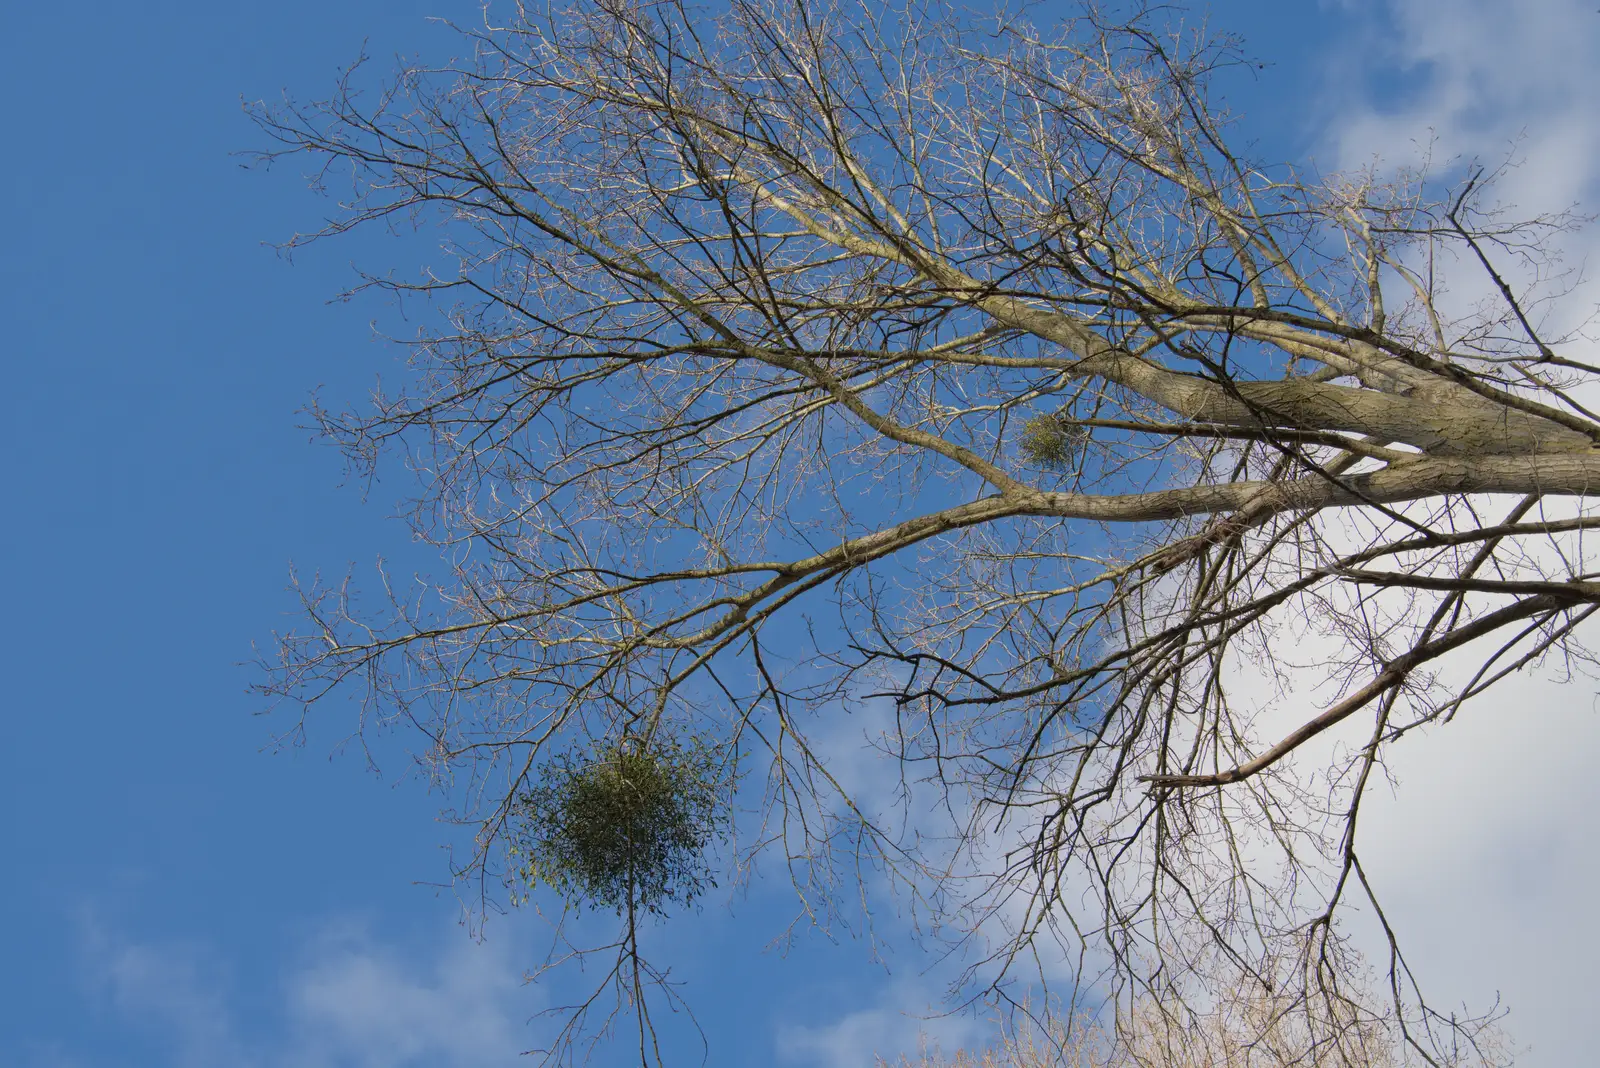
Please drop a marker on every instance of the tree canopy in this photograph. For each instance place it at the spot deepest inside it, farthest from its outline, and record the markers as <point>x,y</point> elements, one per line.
<point>795,358</point>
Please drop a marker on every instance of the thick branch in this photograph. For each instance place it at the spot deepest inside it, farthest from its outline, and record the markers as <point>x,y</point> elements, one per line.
<point>1560,474</point>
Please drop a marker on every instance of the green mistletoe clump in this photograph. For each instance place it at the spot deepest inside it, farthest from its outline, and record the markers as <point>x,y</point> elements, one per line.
<point>1053,442</point>
<point>625,825</point>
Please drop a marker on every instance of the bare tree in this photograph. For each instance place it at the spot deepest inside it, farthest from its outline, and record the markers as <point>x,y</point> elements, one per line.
<point>811,357</point>
<point>1246,1027</point>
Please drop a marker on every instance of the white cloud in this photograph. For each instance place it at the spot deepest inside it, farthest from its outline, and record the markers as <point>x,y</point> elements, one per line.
<point>1476,81</point>
<point>905,1019</point>
<point>352,1002</point>
<point>1485,850</point>
<point>172,990</point>
<point>1476,74</point>
<point>360,1003</point>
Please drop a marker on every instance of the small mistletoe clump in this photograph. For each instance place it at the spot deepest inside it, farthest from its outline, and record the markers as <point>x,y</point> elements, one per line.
<point>1052,441</point>
<point>624,826</point>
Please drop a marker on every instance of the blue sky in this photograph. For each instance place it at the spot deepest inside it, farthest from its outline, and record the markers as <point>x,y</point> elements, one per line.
<point>178,895</point>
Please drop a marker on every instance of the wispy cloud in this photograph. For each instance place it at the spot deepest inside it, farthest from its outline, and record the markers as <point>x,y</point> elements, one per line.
<point>1472,75</point>
<point>1474,80</point>
<point>352,1001</point>
<point>1485,849</point>
<point>358,1002</point>
<point>906,1016</point>
<point>174,992</point>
